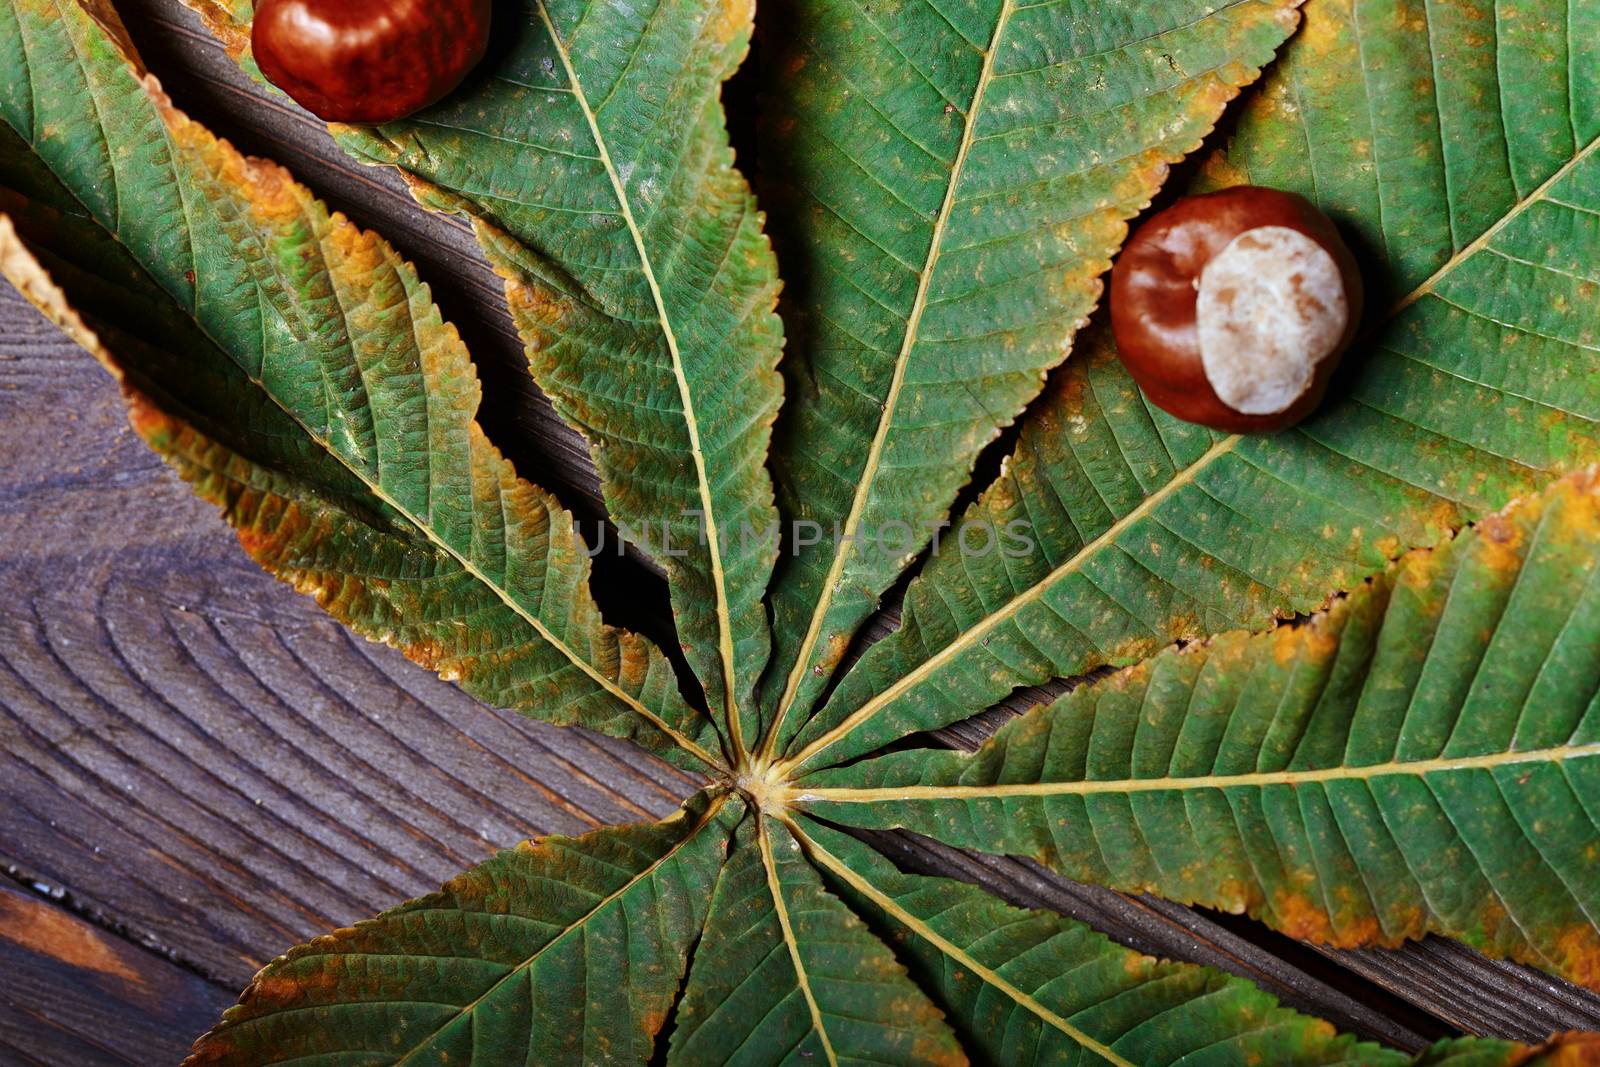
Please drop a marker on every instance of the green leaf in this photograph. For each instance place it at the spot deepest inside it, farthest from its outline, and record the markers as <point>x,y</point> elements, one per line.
<point>592,158</point>
<point>785,970</point>
<point>1422,757</point>
<point>956,178</point>
<point>295,371</point>
<point>1478,381</point>
<point>1563,1050</point>
<point>563,950</point>
<point>1033,987</point>
<point>1417,758</point>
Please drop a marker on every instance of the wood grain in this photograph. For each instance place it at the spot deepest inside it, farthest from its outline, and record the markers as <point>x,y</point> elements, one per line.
<point>74,994</point>
<point>212,770</point>
<point>198,751</point>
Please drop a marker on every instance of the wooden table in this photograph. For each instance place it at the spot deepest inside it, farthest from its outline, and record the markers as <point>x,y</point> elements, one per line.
<point>199,769</point>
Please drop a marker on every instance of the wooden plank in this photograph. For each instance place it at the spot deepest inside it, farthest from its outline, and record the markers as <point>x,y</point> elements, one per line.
<point>71,993</point>
<point>207,760</point>
<point>198,751</point>
<point>1171,931</point>
<point>1462,988</point>
<point>217,770</point>
<point>209,86</point>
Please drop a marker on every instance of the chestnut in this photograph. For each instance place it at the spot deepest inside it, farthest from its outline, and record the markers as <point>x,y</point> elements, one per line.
<point>1231,309</point>
<point>368,61</point>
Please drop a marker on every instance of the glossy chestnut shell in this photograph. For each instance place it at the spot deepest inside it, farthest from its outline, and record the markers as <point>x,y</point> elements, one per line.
<point>1156,287</point>
<point>368,61</point>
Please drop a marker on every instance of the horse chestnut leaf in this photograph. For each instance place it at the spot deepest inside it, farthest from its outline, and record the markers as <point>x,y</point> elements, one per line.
<point>1232,309</point>
<point>368,61</point>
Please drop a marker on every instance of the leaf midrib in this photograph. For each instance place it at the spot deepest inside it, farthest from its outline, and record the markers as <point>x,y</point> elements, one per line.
<point>505,596</point>
<point>577,924</point>
<point>686,397</point>
<point>923,930</point>
<point>967,638</point>
<point>775,887</point>
<point>379,492</point>
<point>858,503</point>
<point>1254,780</point>
<point>478,573</point>
<point>914,677</point>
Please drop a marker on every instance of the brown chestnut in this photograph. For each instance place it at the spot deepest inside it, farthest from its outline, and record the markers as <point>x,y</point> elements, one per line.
<point>1232,309</point>
<point>368,61</point>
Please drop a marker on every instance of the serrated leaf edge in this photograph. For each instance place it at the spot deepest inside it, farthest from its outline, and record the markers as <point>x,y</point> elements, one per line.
<point>911,679</point>
<point>832,863</point>
<point>790,941</point>
<point>880,437</point>
<point>705,818</point>
<point>686,396</point>
<point>34,282</point>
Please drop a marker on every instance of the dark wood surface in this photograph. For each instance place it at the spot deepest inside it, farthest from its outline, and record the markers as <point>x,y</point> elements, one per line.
<point>76,993</point>
<point>198,769</point>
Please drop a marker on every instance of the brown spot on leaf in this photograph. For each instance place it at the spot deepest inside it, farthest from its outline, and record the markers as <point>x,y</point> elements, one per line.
<point>1220,172</point>
<point>1578,948</point>
<point>278,989</point>
<point>653,1019</point>
<point>537,308</point>
<point>1578,507</point>
<point>1358,931</point>
<point>1321,34</point>
<point>1301,917</point>
<point>149,422</point>
<point>428,653</point>
<point>937,1052</point>
<point>1563,1050</point>
<point>1316,640</point>
<point>733,20</point>
<point>260,544</point>
<point>1501,538</point>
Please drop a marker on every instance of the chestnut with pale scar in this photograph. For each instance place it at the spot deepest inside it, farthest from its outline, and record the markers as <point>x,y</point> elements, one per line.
<point>893,482</point>
<point>1232,309</point>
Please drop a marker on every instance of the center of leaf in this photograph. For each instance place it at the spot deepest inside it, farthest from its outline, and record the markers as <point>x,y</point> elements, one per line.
<point>763,784</point>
